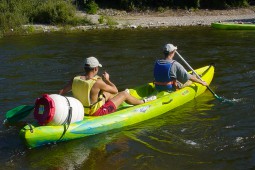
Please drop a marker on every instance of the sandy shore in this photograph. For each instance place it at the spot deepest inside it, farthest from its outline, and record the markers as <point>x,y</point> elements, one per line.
<point>184,17</point>
<point>152,21</point>
<point>161,19</point>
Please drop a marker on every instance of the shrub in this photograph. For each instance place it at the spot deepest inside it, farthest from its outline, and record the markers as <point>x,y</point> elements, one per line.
<point>107,20</point>
<point>12,14</point>
<point>101,19</point>
<point>91,7</point>
<point>54,12</point>
<point>75,21</point>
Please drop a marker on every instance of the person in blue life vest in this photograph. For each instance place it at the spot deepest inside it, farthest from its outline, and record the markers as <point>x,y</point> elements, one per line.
<point>170,75</point>
<point>98,95</point>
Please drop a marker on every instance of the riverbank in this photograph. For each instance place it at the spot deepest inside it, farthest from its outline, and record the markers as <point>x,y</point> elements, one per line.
<point>149,19</point>
<point>186,17</point>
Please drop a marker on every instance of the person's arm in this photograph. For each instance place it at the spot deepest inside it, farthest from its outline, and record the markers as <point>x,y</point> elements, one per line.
<point>67,88</point>
<point>183,76</point>
<point>106,79</point>
<point>106,85</point>
<point>179,73</point>
<point>195,79</point>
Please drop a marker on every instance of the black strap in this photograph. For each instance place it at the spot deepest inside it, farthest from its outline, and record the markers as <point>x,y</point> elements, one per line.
<point>30,128</point>
<point>99,100</point>
<point>67,122</point>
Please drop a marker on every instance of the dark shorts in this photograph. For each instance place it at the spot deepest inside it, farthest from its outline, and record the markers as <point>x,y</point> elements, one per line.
<point>107,108</point>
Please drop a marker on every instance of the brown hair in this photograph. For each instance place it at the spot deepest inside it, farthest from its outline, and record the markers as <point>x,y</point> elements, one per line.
<point>88,69</point>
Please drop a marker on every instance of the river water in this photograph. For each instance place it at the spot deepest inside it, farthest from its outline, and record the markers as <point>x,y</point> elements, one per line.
<point>202,134</point>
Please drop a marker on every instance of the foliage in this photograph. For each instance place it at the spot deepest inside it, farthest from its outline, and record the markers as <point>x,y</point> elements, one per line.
<point>106,20</point>
<point>131,5</point>
<point>223,4</point>
<point>101,19</point>
<point>91,7</point>
<point>14,13</point>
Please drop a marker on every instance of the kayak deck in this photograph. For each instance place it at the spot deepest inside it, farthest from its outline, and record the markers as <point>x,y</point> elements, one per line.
<point>126,115</point>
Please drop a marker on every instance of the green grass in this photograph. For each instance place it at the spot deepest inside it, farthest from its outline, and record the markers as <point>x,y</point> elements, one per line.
<point>107,20</point>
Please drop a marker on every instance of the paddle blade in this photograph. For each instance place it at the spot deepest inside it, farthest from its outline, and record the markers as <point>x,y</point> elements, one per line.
<point>223,100</point>
<point>18,113</point>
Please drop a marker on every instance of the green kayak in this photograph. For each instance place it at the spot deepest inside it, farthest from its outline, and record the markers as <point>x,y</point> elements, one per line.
<point>35,135</point>
<point>233,26</point>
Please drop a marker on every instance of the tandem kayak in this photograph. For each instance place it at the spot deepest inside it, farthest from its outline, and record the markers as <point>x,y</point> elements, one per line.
<point>35,135</point>
<point>233,26</point>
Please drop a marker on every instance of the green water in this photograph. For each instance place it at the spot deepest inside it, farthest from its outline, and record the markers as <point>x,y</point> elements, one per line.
<point>202,134</point>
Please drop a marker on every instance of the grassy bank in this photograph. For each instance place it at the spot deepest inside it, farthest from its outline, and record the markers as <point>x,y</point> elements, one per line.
<point>14,14</point>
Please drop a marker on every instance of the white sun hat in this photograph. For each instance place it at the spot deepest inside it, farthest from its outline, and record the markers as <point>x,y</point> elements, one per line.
<point>169,48</point>
<point>92,62</point>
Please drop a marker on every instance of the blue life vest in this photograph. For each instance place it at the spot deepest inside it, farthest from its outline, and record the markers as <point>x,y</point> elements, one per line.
<point>163,81</point>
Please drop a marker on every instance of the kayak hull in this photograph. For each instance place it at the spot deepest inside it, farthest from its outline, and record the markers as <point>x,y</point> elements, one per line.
<point>233,26</point>
<point>35,135</point>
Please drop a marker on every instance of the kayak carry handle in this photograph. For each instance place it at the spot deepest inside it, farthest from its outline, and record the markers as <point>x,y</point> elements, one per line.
<point>167,102</point>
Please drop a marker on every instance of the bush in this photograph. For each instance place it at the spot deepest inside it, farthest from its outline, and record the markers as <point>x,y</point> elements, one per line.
<point>54,12</point>
<point>91,7</point>
<point>11,20</point>
<point>107,20</point>
<point>12,14</point>
<point>75,21</point>
<point>223,4</point>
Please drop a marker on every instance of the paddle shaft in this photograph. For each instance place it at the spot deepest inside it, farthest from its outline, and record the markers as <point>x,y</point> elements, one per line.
<point>195,73</point>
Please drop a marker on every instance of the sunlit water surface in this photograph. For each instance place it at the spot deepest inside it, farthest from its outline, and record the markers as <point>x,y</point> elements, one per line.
<point>202,134</point>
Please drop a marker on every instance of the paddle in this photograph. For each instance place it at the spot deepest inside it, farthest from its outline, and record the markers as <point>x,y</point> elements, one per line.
<point>18,113</point>
<point>214,94</point>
